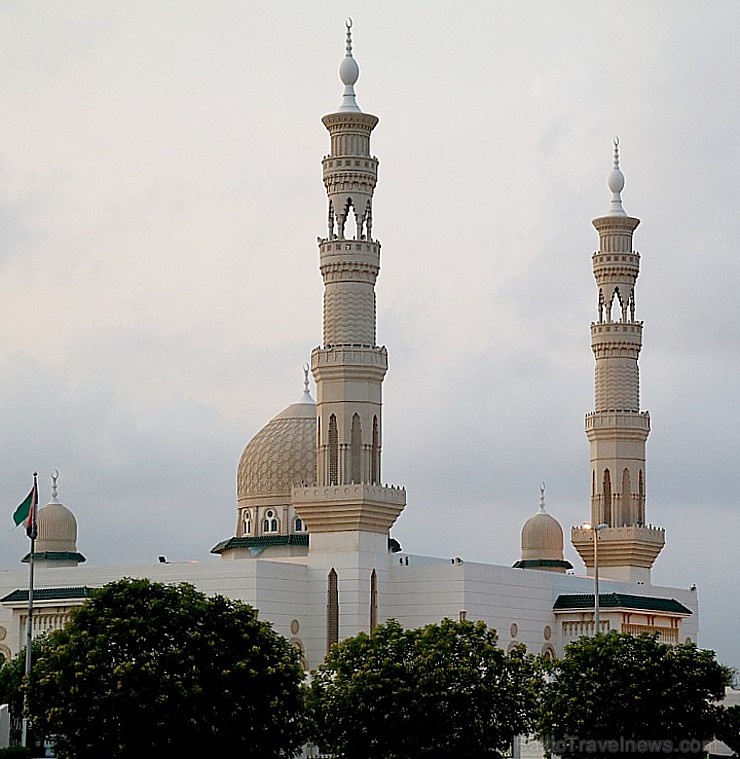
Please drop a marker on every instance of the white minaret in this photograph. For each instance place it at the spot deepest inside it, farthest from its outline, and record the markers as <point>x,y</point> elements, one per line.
<point>617,429</point>
<point>348,512</point>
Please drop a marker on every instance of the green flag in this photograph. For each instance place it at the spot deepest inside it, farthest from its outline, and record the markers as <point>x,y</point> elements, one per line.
<point>26,511</point>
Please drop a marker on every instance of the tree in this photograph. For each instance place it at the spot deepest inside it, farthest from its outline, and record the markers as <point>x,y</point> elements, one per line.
<point>444,690</point>
<point>145,669</point>
<point>11,684</point>
<point>729,730</point>
<point>611,692</point>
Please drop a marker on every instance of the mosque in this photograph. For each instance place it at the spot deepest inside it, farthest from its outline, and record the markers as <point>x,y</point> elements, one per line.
<point>312,549</point>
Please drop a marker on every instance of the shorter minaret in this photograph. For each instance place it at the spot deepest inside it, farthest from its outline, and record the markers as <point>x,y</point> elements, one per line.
<point>617,429</point>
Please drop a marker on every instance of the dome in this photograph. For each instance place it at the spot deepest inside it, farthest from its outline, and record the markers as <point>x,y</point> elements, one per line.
<point>57,529</point>
<point>542,537</point>
<point>542,542</point>
<point>281,454</point>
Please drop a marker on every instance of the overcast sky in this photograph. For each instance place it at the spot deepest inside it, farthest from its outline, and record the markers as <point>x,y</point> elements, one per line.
<point>160,198</point>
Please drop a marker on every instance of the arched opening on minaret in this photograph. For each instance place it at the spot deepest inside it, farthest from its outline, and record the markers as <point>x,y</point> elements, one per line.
<point>621,308</point>
<point>632,306</point>
<point>355,452</point>
<point>601,306</point>
<point>333,451</point>
<point>373,600</point>
<point>347,231</point>
<point>332,609</point>
<point>367,222</point>
<point>606,502</point>
<point>626,516</point>
<point>332,222</point>
<point>375,454</point>
<point>641,499</point>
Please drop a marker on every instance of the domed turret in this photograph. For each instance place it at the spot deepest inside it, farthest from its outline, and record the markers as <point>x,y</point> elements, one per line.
<point>56,543</point>
<point>282,454</point>
<point>542,542</point>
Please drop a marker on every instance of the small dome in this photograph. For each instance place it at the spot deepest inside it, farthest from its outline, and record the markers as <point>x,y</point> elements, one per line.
<point>57,529</point>
<point>542,538</point>
<point>281,454</point>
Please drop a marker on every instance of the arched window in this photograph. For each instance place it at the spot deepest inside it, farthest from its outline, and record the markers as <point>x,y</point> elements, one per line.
<point>606,512</point>
<point>627,517</point>
<point>332,609</point>
<point>375,454</point>
<point>246,525</point>
<point>270,522</point>
<point>299,524</point>
<point>356,450</point>
<point>333,451</point>
<point>373,600</point>
<point>641,499</point>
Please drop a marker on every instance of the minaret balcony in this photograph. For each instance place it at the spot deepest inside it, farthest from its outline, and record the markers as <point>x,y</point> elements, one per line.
<point>616,336</point>
<point>338,254</point>
<point>618,423</point>
<point>349,361</point>
<point>348,508</point>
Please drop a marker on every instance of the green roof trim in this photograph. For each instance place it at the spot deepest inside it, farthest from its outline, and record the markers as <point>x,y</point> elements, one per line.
<point>262,541</point>
<point>49,594</point>
<point>54,556</point>
<point>541,563</point>
<point>620,601</point>
<point>266,541</point>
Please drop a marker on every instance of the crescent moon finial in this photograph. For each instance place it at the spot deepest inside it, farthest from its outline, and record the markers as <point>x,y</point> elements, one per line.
<point>54,478</point>
<point>348,22</point>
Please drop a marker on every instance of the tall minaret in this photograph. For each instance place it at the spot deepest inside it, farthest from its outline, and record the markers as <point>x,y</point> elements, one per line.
<point>350,367</point>
<point>347,511</point>
<point>617,429</point>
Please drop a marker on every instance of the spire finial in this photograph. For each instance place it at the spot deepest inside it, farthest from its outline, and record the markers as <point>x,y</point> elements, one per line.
<point>542,497</point>
<point>348,44</point>
<point>349,73</point>
<point>616,184</point>
<point>306,398</point>
<point>54,480</point>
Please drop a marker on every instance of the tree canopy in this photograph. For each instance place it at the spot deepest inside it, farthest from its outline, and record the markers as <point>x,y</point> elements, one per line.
<point>146,669</point>
<point>444,690</point>
<point>729,731</point>
<point>609,692</point>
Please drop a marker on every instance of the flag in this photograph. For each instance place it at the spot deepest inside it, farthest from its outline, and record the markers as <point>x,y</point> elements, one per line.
<point>26,512</point>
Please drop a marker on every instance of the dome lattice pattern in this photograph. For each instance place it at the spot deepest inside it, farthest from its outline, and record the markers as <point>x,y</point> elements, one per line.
<point>280,455</point>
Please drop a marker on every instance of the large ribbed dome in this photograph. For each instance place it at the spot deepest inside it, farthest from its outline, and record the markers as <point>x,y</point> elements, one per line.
<point>542,542</point>
<point>542,537</point>
<point>281,454</point>
<point>57,529</point>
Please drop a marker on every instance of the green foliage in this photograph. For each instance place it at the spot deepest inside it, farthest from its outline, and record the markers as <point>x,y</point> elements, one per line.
<point>11,678</point>
<point>622,688</point>
<point>150,670</point>
<point>444,690</point>
<point>729,730</point>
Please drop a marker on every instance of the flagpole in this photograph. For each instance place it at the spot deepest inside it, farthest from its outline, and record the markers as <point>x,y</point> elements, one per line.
<point>32,533</point>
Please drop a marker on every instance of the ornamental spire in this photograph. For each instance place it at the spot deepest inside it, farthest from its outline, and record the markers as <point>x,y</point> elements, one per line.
<point>349,73</point>
<point>54,488</point>
<point>306,398</point>
<point>616,185</point>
